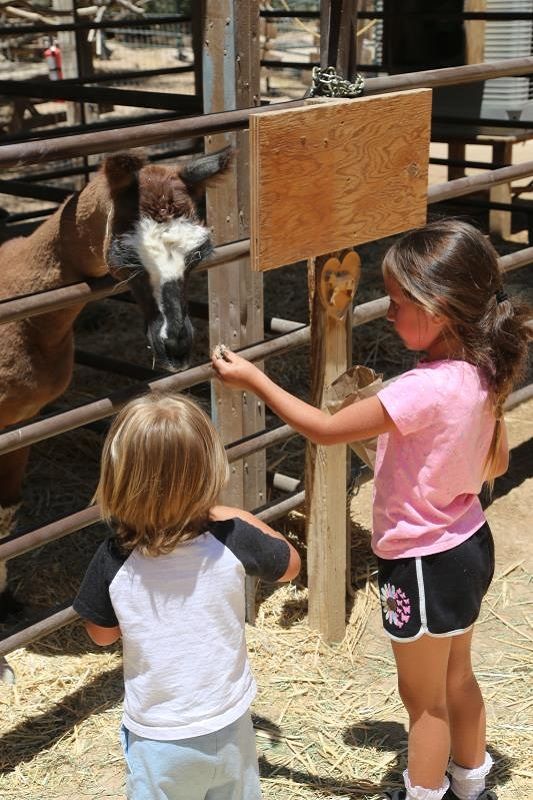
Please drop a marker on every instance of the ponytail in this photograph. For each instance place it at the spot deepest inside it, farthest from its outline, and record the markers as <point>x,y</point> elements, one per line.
<point>449,268</point>
<point>506,334</point>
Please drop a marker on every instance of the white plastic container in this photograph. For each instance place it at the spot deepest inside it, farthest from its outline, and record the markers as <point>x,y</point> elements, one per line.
<point>508,98</point>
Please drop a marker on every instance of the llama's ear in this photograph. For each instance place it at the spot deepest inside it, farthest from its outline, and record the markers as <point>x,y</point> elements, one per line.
<point>121,170</point>
<point>200,170</point>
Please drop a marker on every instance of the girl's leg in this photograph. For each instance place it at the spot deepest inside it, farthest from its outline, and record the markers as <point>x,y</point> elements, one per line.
<point>465,705</point>
<point>422,679</point>
<point>470,761</point>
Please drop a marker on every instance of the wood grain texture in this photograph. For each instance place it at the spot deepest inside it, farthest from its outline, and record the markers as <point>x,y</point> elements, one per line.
<point>337,174</point>
<point>326,467</point>
<point>231,60</point>
<point>475,32</point>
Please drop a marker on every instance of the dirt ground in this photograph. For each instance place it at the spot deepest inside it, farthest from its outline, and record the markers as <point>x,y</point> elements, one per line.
<point>329,722</point>
<point>328,719</point>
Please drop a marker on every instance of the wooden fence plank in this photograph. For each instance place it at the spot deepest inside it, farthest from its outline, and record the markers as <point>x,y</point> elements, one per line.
<point>334,175</point>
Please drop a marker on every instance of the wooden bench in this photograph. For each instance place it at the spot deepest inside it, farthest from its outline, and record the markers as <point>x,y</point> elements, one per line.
<point>501,140</point>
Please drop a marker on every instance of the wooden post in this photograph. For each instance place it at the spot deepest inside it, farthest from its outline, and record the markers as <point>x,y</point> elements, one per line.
<point>328,177</point>
<point>500,221</point>
<point>474,54</point>
<point>231,80</point>
<point>332,282</point>
<point>475,32</point>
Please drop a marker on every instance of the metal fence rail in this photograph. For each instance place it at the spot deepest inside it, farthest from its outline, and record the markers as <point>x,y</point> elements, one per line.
<point>18,155</point>
<point>17,308</point>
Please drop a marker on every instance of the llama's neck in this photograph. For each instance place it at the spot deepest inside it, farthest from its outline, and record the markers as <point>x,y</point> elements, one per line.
<point>70,245</point>
<point>67,248</point>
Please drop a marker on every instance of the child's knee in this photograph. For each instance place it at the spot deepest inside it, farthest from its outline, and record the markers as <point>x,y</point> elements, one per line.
<point>418,701</point>
<point>461,682</point>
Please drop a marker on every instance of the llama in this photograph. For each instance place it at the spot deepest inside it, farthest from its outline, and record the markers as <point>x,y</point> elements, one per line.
<point>135,221</point>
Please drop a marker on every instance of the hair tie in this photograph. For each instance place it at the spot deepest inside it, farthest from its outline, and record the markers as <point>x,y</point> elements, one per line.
<point>501,296</point>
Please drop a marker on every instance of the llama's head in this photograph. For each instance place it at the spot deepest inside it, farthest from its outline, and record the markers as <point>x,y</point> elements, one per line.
<point>154,239</point>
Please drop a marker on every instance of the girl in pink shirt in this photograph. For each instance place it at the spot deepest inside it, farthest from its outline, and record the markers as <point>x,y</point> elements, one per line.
<point>441,436</point>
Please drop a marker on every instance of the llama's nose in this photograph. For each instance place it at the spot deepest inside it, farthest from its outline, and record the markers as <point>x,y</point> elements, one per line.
<point>171,344</point>
<point>178,348</point>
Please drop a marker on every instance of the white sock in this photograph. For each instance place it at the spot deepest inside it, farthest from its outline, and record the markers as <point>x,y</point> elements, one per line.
<point>419,793</point>
<point>468,784</point>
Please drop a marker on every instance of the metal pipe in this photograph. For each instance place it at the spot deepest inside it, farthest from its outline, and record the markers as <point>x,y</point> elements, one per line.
<point>60,618</point>
<point>516,260</point>
<point>444,191</point>
<point>285,483</point>
<point>17,155</point>
<point>135,98</point>
<point>520,396</point>
<point>66,296</point>
<point>46,428</point>
<point>283,507</point>
<point>456,162</point>
<point>66,615</point>
<point>98,288</point>
<point>135,22</point>
<point>526,207</point>
<point>99,125</point>
<point>508,16</point>
<point>19,308</point>
<point>51,623</point>
<point>450,75</point>
<point>485,122</point>
<point>127,75</point>
<point>99,409</point>
<point>16,544</point>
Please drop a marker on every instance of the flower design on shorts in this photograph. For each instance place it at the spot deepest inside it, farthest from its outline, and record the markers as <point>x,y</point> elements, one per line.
<point>396,605</point>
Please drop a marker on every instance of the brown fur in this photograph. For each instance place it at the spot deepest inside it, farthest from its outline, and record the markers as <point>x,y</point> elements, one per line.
<point>36,354</point>
<point>76,243</point>
<point>163,195</point>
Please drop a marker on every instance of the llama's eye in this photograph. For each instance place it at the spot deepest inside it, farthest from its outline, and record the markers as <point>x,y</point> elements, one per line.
<point>194,258</point>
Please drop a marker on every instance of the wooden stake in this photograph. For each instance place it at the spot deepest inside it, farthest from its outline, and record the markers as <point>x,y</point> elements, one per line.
<point>332,284</point>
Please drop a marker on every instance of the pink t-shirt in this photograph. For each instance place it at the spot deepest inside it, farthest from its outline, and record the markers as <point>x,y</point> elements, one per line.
<point>429,469</point>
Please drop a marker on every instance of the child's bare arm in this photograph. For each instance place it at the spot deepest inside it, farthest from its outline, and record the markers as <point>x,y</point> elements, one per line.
<point>100,635</point>
<point>359,421</point>
<point>218,513</point>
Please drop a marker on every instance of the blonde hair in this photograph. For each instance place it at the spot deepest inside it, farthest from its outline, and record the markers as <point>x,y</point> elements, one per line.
<point>163,467</point>
<point>451,269</point>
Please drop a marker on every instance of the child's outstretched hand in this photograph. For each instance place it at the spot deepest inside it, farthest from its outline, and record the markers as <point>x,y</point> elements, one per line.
<point>234,370</point>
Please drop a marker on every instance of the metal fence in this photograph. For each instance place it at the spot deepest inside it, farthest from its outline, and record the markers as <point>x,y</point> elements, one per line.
<point>91,143</point>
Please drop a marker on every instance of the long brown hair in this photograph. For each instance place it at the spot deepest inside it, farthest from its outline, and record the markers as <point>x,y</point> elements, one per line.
<point>451,269</point>
<point>163,466</point>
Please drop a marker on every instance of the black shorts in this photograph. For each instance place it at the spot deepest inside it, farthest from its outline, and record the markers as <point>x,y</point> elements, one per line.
<point>438,594</point>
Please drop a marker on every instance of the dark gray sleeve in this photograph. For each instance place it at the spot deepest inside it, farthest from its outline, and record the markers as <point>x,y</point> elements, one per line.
<point>93,602</point>
<point>261,555</point>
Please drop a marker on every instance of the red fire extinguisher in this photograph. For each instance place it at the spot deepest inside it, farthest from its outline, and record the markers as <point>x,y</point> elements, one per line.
<point>52,56</point>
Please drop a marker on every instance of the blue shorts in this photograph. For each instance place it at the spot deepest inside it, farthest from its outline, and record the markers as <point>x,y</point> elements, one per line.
<point>217,766</point>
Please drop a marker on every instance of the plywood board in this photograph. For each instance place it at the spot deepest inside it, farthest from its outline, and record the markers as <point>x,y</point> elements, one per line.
<point>334,175</point>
